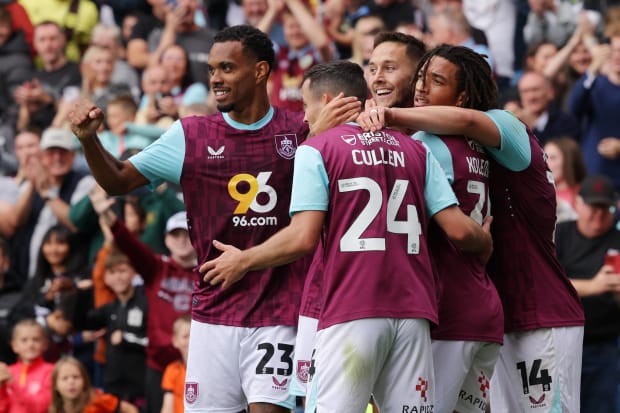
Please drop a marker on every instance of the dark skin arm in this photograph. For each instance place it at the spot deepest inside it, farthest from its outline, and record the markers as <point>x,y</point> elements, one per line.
<point>116,177</point>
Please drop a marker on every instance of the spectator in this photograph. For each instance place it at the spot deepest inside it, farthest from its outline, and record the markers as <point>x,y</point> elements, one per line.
<point>118,137</point>
<point>110,37</point>
<point>306,44</point>
<point>15,69</point>
<point>52,188</point>
<point>168,286</point>
<point>183,90</point>
<point>173,381</point>
<point>593,101</point>
<point>125,321</point>
<point>58,79</point>
<point>567,167</point>
<point>181,29</point>
<point>25,387</point>
<point>554,21</point>
<point>364,32</point>
<point>137,44</point>
<point>10,293</point>
<point>21,21</point>
<point>97,68</point>
<point>538,111</point>
<point>155,85</point>
<point>450,26</point>
<point>77,19</point>
<point>72,391</point>
<point>582,247</point>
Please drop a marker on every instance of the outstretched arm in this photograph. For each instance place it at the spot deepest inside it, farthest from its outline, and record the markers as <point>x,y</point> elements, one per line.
<point>439,120</point>
<point>116,177</point>
<point>299,238</point>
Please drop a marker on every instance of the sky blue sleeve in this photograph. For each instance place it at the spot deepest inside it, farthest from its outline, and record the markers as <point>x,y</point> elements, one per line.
<point>310,182</point>
<point>440,151</point>
<point>438,193</point>
<point>195,93</point>
<point>514,152</point>
<point>163,159</point>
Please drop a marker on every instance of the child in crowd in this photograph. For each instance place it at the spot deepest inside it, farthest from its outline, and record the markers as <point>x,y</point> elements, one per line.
<point>173,381</point>
<point>125,323</point>
<point>25,387</point>
<point>73,393</point>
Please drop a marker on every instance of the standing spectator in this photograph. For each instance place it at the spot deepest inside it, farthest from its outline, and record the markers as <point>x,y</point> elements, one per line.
<point>263,309</point>
<point>364,31</point>
<point>173,381</point>
<point>58,79</point>
<point>137,45</point>
<point>77,18</point>
<point>167,283</point>
<point>15,69</point>
<point>537,109</point>
<point>594,100</point>
<point>582,248</point>
<point>306,45</point>
<point>125,321</point>
<point>182,30</point>
<point>52,188</point>
<point>25,387</point>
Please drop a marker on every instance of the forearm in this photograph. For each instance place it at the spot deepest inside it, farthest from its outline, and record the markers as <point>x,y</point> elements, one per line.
<point>61,209</point>
<point>312,29</point>
<point>296,240</point>
<point>585,288</point>
<point>108,171</point>
<point>447,120</point>
<point>267,21</point>
<point>138,53</point>
<point>168,38</point>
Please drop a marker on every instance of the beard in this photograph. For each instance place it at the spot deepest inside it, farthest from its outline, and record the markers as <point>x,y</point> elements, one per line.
<point>225,107</point>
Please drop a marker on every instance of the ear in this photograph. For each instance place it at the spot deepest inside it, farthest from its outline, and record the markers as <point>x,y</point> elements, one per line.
<point>326,98</point>
<point>460,99</point>
<point>262,71</point>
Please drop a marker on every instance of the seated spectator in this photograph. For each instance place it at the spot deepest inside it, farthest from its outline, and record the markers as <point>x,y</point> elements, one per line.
<point>566,164</point>
<point>537,109</point>
<point>125,322</point>
<point>15,69</point>
<point>81,397</point>
<point>26,385</point>
<point>58,79</point>
<point>77,19</point>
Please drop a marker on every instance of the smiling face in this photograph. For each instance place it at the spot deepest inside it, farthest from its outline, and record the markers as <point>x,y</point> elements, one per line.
<point>437,85</point>
<point>29,342</point>
<point>55,250</point>
<point>174,62</point>
<point>232,76</point>
<point>390,75</point>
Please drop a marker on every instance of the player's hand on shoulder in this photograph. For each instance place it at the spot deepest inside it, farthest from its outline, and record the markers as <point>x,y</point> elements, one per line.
<point>373,118</point>
<point>85,118</point>
<point>226,269</point>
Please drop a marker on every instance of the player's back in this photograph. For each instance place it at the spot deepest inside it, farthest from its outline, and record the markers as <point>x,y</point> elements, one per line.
<point>462,276</point>
<point>236,183</point>
<point>535,291</point>
<point>376,259</point>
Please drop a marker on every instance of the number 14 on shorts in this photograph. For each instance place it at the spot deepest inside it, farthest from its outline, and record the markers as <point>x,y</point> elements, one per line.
<point>535,377</point>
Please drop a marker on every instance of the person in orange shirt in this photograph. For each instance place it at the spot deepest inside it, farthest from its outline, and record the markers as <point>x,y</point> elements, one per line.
<point>173,380</point>
<point>25,385</point>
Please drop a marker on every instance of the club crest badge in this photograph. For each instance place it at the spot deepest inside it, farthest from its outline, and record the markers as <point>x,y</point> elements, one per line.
<point>303,370</point>
<point>286,145</point>
<point>191,392</point>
